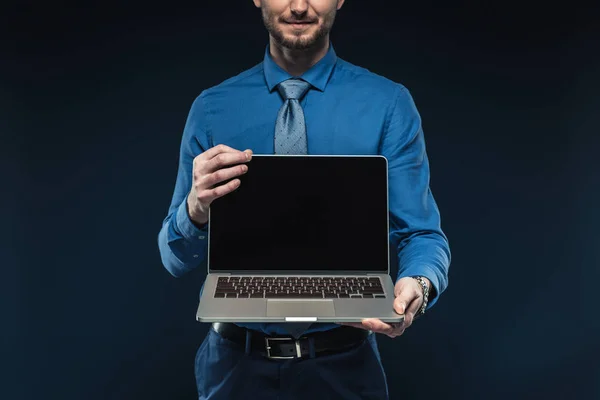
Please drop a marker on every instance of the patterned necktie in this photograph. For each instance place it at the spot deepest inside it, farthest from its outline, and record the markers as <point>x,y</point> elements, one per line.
<point>290,138</point>
<point>290,129</point>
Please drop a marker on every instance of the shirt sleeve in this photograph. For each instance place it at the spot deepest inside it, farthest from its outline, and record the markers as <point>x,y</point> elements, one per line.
<point>416,236</point>
<point>183,245</point>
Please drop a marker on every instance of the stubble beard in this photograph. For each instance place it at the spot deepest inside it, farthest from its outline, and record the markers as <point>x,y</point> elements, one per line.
<point>298,42</point>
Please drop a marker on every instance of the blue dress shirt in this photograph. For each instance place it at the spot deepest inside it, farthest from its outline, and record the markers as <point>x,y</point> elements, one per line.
<point>349,111</point>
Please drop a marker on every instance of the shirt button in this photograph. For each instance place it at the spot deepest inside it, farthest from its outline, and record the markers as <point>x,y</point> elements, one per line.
<point>195,255</point>
<point>201,237</point>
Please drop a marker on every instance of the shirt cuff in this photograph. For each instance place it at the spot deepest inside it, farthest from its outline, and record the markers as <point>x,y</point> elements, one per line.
<point>186,227</point>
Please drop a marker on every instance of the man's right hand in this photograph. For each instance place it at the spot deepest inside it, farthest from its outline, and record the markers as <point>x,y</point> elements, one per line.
<point>210,169</point>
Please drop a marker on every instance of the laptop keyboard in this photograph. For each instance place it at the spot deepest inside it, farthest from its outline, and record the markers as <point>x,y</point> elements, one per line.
<point>259,287</point>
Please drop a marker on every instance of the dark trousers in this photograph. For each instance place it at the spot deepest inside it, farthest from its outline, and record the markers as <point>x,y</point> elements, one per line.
<point>225,371</point>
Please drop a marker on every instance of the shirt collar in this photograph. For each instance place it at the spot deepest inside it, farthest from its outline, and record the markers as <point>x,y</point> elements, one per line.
<point>318,75</point>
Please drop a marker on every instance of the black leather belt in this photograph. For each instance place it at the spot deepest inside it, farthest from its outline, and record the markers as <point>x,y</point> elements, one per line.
<point>286,347</point>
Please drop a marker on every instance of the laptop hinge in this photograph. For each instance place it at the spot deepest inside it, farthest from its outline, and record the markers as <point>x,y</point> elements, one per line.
<point>297,273</point>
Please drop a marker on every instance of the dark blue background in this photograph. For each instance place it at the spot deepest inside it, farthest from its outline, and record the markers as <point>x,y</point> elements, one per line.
<point>93,105</point>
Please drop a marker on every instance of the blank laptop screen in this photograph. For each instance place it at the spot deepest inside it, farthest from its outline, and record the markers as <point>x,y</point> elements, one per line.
<point>303,213</point>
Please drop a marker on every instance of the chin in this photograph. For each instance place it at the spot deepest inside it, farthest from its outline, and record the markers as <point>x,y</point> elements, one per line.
<point>300,38</point>
<point>296,39</point>
<point>298,42</point>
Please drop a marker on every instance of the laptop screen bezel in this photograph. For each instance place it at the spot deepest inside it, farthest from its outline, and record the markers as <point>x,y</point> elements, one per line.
<point>310,272</point>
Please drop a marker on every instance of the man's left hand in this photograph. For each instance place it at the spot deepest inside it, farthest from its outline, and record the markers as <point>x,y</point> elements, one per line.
<point>409,299</point>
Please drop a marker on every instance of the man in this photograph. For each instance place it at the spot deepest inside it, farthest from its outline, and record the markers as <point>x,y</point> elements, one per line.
<point>303,99</point>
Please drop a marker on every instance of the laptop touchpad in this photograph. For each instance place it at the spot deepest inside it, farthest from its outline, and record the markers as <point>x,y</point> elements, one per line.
<point>291,308</point>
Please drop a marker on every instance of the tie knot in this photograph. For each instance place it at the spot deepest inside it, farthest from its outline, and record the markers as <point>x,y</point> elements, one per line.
<point>293,89</point>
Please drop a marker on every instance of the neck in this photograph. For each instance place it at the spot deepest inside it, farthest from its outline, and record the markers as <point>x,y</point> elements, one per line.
<point>296,62</point>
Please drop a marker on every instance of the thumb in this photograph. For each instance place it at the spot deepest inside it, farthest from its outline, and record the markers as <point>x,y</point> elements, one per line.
<point>401,302</point>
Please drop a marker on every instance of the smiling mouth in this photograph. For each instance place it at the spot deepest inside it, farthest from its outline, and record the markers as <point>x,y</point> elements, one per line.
<point>299,22</point>
<point>299,25</point>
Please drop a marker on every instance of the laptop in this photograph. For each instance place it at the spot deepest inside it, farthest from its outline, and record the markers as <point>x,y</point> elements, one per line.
<point>304,238</point>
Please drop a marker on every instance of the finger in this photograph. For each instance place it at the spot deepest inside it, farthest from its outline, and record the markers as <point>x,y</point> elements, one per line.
<point>366,323</point>
<point>411,311</point>
<point>221,175</point>
<point>396,330</point>
<point>200,162</point>
<point>209,195</point>
<point>223,160</point>
<point>399,331</point>
<point>378,326</point>
<point>218,149</point>
<point>353,324</point>
<point>404,298</point>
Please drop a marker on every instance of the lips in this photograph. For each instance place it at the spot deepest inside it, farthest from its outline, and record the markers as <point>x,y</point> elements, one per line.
<point>299,22</point>
<point>299,26</point>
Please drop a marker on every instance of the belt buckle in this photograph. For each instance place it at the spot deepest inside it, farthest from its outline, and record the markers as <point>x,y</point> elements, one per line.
<point>295,341</point>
